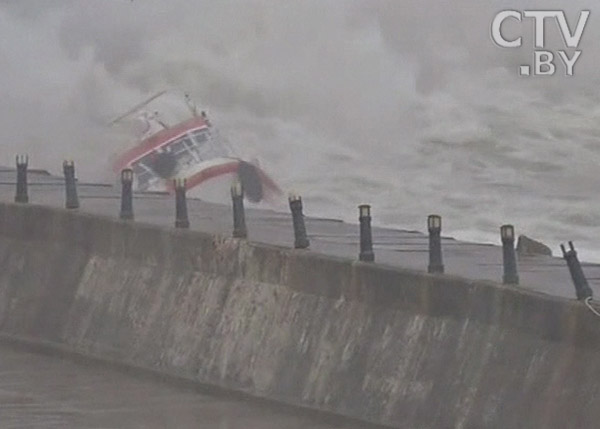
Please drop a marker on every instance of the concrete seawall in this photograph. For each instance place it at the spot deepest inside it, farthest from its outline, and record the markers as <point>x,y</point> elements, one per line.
<point>386,345</point>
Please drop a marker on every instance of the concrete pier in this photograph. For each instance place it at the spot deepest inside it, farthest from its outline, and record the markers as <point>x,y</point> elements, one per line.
<point>377,342</point>
<point>403,249</point>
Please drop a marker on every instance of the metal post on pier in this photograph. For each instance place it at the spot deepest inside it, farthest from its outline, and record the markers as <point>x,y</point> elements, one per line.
<point>300,238</point>
<point>72,200</point>
<point>181,213</point>
<point>239,216</point>
<point>366,238</point>
<point>434,226</point>
<point>126,212</point>
<point>582,288</point>
<point>511,276</point>
<point>22,195</point>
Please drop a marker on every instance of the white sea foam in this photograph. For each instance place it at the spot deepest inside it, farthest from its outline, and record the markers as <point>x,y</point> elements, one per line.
<point>407,105</point>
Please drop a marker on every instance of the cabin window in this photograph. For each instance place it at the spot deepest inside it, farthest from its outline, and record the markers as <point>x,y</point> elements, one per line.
<point>185,150</point>
<point>143,175</point>
<point>181,145</point>
<point>209,146</point>
<point>200,136</point>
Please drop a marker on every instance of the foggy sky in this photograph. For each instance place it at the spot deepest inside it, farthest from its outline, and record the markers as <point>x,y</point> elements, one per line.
<point>70,65</point>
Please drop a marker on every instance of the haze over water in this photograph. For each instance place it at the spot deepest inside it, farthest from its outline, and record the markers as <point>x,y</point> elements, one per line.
<point>407,105</point>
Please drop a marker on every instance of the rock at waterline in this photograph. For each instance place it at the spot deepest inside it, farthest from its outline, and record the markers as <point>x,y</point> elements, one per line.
<point>529,247</point>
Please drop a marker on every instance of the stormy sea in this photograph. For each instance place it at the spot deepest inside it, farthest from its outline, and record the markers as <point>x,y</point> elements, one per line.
<point>406,105</point>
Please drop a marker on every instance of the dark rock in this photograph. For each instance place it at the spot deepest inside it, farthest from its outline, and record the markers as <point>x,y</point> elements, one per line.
<point>529,247</point>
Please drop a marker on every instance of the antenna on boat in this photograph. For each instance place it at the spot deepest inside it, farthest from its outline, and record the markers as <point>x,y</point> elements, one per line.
<point>156,117</point>
<point>191,105</point>
<point>205,117</point>
<point>137,107</point>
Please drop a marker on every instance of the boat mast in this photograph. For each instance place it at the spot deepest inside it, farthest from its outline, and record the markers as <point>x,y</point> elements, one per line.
<point>191,105</point>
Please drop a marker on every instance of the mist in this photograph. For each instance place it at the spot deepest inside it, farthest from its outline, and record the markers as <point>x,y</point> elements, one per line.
<point>407,105</point>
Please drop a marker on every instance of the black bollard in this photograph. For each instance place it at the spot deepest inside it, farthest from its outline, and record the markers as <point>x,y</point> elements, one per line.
<point>181,213</point>
<point>511,277</point>
<point>22,195</point>
<point>300,238</point>
<point>582,288</point>
<point>72,201</point>
<point>366,239</point>
<point>126,212</point>
<point>434,225</point>
<point>239,216</point>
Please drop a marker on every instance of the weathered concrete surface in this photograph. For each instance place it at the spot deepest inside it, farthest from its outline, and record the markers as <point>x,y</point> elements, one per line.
<point>405,249</point>
<point>378,343</point>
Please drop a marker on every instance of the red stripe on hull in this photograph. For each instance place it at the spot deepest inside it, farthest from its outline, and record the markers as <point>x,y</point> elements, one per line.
<point>207,174</point>
<point>156,141</point>
<point>228,168</point>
